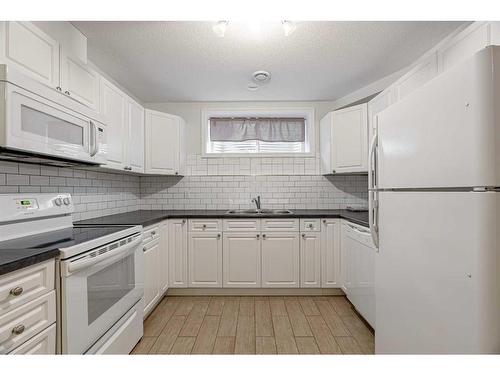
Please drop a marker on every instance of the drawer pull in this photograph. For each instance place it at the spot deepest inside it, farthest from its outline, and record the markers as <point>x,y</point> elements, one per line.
<point>310,225</point>
<point>153,233</point>
<point>17,330</point>
<point>219,235</point>
<point>264,236</point>
<point>204,226</point>
<point>17,291</point>
<point>258,236</point>
<point>303,235</point>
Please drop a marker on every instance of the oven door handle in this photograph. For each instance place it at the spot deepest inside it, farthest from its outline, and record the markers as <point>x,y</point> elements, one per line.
<point>117,254</point>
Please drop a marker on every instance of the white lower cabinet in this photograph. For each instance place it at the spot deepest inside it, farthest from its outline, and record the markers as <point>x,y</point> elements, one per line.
<point>151,275</point>
<point>177,253</point>
<point>330,254</point>
<point>280,260</point>
<point>205,259</point>
<point>241,260</point>
<point>310,260</point>
<point>43,343</point>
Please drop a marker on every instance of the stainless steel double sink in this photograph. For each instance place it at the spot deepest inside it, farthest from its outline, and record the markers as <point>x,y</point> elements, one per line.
<point>259,212</point>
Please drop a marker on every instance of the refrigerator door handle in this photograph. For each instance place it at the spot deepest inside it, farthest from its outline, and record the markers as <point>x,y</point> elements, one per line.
<point>372,202</point>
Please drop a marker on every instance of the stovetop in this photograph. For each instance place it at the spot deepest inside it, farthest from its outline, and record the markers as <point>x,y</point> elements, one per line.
<point>60,238</point>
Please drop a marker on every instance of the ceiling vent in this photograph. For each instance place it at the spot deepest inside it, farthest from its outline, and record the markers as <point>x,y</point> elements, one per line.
<point>261,76</point>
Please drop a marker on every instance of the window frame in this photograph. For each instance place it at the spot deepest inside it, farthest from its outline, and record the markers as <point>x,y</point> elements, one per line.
<point>307,113</point>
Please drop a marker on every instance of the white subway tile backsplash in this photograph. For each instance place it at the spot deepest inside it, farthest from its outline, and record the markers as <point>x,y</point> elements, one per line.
<point>98,193</point>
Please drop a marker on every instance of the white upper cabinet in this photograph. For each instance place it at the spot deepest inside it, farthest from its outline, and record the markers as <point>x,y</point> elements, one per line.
<point>416,77</point>
<point>344,140</point>
<point>165,139</point>
<point>30,50</point>
<point>135,136</point>
<point>79,81</point>
<point>113,109</point>
<point>59,65</point>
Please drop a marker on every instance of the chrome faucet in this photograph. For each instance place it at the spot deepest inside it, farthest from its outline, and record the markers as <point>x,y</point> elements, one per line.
<point>257,202</point>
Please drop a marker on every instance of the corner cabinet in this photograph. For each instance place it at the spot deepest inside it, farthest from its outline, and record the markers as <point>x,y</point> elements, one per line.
<point>165,140</point>
<point>344,140</point>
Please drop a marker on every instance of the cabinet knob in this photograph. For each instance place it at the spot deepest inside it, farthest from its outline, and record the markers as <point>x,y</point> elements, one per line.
<point>258,236</point>
<point>67,93</point>
<point>183,221</point>
<point>204,226</point>
<point>303,235</point>
<point>16,291</point>
<point>58,88</point>
<point>264,236</point>
<point>333,170</point>
<point>324,221</point>
<point>153,233</point>
<point>218,235</point>
<point>17,330</point>
<point>310,225</point>
<point>176,173</point>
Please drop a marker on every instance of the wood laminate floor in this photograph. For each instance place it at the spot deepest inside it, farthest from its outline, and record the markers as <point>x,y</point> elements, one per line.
<point>255,325</point>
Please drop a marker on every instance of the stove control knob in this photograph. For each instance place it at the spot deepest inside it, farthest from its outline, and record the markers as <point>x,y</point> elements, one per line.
<point>66,201</point>
<point>57,201</point>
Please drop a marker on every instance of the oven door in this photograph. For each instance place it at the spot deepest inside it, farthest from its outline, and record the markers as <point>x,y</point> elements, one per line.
<point>37,125</point>
<point>97,290</point>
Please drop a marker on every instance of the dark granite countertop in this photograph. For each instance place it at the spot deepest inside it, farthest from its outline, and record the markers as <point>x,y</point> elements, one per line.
<point>150,217</point>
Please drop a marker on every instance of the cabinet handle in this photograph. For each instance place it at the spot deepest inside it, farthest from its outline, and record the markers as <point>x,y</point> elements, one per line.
<point>324,221</point>
<point>58,88</point>
<point>333,170</point>
<point>218,236</point>
<point>176,173</point>
<point>264,236</point>
<point>303,235</point>
<point>310,226</point>
<point>258,236</point>
<point>204,226</point>
<point>183,221</point>
<point>16,291</point>
<point>67,93</point>
<point>17,330</point>
<point>153,233</point>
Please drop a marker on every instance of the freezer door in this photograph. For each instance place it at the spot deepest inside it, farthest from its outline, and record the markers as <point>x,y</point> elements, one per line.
<point>444,134</point>
<point>436,282</point>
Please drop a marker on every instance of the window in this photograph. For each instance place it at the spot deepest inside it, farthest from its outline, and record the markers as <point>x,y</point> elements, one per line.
<point>258,133</point>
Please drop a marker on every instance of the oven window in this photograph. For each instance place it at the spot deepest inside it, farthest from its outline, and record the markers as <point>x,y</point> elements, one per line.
<point>51,127</point>
<point>108,286</point>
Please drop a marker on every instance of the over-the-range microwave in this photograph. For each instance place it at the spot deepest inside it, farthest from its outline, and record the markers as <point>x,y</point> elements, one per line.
<point>38,124</point>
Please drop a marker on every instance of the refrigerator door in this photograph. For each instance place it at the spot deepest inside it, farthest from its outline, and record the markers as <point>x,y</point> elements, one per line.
<point>436,276</point>
<point>444,133</point>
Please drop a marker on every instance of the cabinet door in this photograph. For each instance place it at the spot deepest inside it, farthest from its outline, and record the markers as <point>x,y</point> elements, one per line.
<point>30,50</point>
<point>177,253</point>
<point>79,81</point>
<point>242,260</point>
<point>310,260</point>
<point>113,108</point>
<point>205,260</point>
<point>326,143</point>
<point>135,136</point>
<point>350,141</point>
<point>151,268</point>
<point>280,260</point>
<point>162,143</point>
<point>163,271</point>
<point>331,259</point>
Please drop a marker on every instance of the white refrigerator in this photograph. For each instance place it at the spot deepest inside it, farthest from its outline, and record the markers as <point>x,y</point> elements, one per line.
<point>435,214</point>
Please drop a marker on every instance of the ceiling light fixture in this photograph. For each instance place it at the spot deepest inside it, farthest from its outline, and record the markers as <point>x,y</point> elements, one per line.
<point>261,76</point>
<point>220,28</point>
<point>288,27</point>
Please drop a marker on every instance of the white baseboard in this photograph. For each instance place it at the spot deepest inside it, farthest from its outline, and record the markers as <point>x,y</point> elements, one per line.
<point>254,292</point>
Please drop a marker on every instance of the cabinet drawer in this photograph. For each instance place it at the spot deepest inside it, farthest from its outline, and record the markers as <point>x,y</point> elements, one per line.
<point>28,319</point>
<point>205,225</point>
<point>43,343</point>
<point>310,225</point>
<point>150,233</point>
<point>241,225</point>
<point>286,225</point>
<point>23,286</point>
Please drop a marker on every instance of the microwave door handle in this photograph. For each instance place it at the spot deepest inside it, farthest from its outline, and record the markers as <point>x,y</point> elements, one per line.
<point>122,252</point>
<point>372,203</point>
<point>93,138</point>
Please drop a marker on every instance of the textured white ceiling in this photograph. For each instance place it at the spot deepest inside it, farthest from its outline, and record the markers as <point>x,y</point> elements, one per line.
<point>186,61</point>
